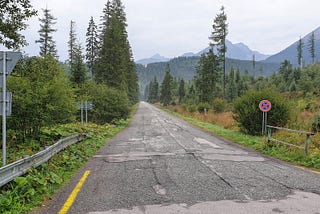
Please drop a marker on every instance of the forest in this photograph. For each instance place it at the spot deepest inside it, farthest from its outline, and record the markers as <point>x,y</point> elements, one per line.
<point>47,92</point>
<point>216,85</point>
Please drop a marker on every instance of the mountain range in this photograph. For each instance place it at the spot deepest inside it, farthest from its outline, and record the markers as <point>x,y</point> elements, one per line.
<point>234,51</point>
<point>290,53</point>
<point>241,51</point>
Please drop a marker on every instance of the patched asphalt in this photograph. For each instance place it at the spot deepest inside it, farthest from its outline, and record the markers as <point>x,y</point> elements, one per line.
<point>161,164</point>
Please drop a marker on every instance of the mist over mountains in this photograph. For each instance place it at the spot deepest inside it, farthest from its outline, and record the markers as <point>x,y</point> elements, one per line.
<point>234,51</point>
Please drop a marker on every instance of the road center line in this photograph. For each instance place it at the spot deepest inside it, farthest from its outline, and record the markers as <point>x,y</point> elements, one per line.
<point>67,205</point>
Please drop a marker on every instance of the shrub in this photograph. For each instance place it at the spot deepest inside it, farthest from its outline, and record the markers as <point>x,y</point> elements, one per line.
<point>316,124</point>
<point>108,104</point>
<point>203,106</point>
<point>219,105</point>
<point>248,115</point>
<point>42,97</point>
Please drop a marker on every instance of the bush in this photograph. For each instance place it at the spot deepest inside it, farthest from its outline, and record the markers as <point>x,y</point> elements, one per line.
<point>203,106</point>
<point>249,116</point>
<point>108,104</point>
<point>42,97</point>
<point>316,124</point>
<point>219,105</point>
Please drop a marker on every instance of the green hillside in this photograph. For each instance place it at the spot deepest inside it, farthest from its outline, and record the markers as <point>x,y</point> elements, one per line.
<point>185,67</point>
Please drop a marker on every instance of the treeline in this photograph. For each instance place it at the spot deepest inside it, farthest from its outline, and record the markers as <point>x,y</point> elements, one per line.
<point>215,87</point>
<point>185,67</point>
<point>46,92</point>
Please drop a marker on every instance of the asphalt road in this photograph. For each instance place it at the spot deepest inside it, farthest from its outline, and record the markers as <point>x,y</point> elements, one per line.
<point>161,164</point>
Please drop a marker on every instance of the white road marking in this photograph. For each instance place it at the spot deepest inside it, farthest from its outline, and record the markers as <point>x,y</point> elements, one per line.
<point>204,141</point>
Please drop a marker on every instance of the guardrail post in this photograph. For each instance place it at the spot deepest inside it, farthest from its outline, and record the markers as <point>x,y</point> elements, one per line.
<point>307,144</point>
<point>269,134</point>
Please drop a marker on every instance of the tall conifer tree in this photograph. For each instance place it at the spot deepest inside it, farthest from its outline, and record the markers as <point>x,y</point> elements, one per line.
<point>299,50</point>
<point>92,45</point>
<point>218,40</point>
<point>72,41</point>
<point>166,88</point>
<point>47,44</point>
<point>115,66</point>
<point>311,47</point>
<point>208,74</point>
<point>78,69</point>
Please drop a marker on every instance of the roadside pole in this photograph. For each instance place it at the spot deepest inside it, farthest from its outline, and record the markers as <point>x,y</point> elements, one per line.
<point>4,100</point>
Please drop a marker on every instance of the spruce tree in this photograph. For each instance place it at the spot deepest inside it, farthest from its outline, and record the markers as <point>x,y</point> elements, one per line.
<point>182,92</point>
<point>299,50</point>
<point>115,66</point>
<point>72,42</point>
<point>208,74</point>
<point>311,47</point>
<point>13,15</point>
<point>166,88</point>
<point>153,96</point>
<point>78,68</point>
<point>47,44</point>
<point>92,45</point>
<point>218,40</point>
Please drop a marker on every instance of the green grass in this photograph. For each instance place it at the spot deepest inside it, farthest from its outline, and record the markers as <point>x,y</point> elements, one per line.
<point>39,184</point>
<point>259,144</point>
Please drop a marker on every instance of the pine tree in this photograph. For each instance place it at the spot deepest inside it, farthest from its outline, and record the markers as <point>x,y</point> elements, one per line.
<point>218,37</point>
<point>311,47</point>
<point>299,50</point>
<point>166,88</point>
<point>115,66</point>
<point>232,89</point>
<point>208,74</point>
<point>72,42</point>
<point>153,96</point>
<point>182,92</point>
<point>13,16</point>
<point>78,68</point>
<point>92,45</point>
<point>47,44</point>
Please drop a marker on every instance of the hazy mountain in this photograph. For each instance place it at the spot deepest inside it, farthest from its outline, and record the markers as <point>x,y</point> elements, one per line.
<point>235,51</point>
<point>153,59</point>
<point>290,53</point>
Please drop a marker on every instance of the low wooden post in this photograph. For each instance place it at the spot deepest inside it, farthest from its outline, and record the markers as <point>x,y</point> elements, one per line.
<point>269,134</point>
<point>308,140</point>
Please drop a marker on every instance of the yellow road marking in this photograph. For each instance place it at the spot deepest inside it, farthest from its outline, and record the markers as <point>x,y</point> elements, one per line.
<point>304,168</point>
<point>67,205</point>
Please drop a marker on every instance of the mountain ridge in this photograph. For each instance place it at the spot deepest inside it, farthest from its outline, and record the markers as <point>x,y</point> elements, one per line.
<point>238,51</point>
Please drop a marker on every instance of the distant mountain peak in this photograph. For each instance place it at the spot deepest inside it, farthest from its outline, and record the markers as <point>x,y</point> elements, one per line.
<point>290,53</point>
<point>155,58</point>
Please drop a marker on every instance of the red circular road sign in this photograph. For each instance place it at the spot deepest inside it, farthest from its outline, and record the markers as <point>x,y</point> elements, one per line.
<point>265,105</point>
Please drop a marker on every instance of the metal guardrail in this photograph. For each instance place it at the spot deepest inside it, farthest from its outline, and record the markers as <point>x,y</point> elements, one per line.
<point>20,167</point>
<point>308,139</point>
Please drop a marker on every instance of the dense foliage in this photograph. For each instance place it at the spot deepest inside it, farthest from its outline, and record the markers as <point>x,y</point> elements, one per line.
<point>42,97</point>
<point>13,15</point>
<point>115,66</point>
<point>249,116</point>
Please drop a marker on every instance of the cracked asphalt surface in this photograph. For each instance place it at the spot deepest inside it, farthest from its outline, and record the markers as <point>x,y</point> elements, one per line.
<point>161,164</point>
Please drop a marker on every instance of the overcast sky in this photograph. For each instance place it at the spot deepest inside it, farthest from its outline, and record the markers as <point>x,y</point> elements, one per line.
<point>174,27</point>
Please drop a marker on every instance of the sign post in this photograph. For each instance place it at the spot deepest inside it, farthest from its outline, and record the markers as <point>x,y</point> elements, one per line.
<point>264,106</point>
<point>84,105</point>
<point>9,60</point>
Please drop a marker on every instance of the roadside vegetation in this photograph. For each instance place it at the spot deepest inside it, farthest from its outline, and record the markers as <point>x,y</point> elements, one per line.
<point>41,183</point>
<point>47,95</point>
<point>226,102</point>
